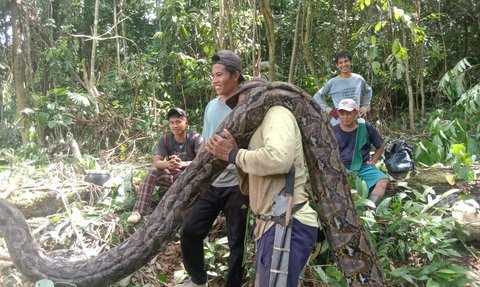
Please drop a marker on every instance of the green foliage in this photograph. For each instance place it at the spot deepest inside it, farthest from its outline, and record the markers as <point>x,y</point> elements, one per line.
<point>119,195</point>
<point>55,114</point>
<point>414,235</point>
<point>461,85</point>
<point>453,140</point>
<point>414,230</point>
<point>32,152</point>
<point>216,255</point>
<point>331,275</point>
<point>448,138</point>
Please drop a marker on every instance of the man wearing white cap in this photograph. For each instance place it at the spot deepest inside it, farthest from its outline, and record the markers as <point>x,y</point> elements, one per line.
<point>355,138</point>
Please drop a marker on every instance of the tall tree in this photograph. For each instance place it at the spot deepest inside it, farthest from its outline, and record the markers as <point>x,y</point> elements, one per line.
<point>256,58</point>
<point>3,130</point>
<point>19,65</point>
<point>408,81</point>
<point>216,30</point>
<point>298,28</point>
<point>421,57</point>
<point>91,79</point>
<point>221,25</point>
<point>228,13</point>
<point>266,9</point>
<point>115,25</point>
<point>307,35</point>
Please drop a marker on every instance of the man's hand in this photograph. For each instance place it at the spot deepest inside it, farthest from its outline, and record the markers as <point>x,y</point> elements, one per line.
<point>174,163</point>
<point>333,113</point>
<point>178,163</point>
<point>362,112</point>
<point>220,147</point>
<point>174,158</point>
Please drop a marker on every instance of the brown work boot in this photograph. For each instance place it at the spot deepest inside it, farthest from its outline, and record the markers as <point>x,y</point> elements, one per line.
<point>134,217</point>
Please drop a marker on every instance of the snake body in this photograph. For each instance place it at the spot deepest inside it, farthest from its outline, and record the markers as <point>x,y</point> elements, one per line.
<point>344,231</point>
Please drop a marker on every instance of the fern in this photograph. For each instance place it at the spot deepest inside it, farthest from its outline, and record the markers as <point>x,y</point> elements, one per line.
<point>470,100</point>
<point>452,83</point>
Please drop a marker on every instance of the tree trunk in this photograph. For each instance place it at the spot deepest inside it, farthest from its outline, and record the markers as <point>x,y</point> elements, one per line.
<point>122,16</point>
<point>422,85</point>
<point>256,59</point>
<point>212,24</point>
<point>4,74</point>
<point>3,142</point>
<point>266,9</point>
<point>19,67</point>
<point>91,79</point>
<point>409,84</point>
<point>221,26</point>
<point>28,53</point>
<point>347,11</point>
<point>154,106</point>
<point>421,59</point>
<point>306,41</point>
<point>228,14</point>
<point>115,24</point>
<point>298,27</point>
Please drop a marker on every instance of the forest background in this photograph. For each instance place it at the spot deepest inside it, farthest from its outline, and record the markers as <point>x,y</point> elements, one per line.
<point>103,74</point>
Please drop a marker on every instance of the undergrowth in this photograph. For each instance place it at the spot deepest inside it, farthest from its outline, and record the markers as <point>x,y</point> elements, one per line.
<point>415,236</point>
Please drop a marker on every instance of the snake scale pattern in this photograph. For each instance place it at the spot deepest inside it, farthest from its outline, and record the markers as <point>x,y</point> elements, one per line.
<point>345,233</point>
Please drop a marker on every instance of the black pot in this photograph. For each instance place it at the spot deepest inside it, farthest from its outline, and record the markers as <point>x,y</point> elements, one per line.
<point>98,177</point>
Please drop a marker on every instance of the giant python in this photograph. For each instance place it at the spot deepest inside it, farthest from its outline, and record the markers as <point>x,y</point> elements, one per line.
<point>344,231</point>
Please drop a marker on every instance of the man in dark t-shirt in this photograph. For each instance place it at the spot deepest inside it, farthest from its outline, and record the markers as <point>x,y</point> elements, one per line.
<point>173,153</point>
<point>355,138</point>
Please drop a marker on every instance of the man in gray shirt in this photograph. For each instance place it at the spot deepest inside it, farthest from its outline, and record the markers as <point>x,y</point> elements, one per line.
<point>224,194</point>
<point>346,85</point>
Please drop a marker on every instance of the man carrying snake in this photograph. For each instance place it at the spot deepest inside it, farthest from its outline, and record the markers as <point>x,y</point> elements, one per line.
<point>274,148</point>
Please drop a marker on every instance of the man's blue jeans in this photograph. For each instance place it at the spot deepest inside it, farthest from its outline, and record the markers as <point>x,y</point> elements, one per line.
<point>303,241</point>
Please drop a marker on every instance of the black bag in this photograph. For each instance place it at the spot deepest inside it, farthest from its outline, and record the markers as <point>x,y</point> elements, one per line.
<point>398,157</point>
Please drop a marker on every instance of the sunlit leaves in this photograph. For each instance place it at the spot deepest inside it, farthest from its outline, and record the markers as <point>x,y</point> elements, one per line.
<point>379,26</point>
<point>398,50</point>
<point>362,4</point>
<point>79,99</point>
<point>376,67</point>
<point>450,178</point>
<point>460,151</point>
<point>398,13</point>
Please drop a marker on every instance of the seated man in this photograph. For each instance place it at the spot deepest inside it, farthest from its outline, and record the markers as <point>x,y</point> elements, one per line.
<point>173,153</point>
<point>355,138</point>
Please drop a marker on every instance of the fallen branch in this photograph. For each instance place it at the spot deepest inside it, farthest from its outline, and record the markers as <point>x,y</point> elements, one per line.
<point>72,223</point>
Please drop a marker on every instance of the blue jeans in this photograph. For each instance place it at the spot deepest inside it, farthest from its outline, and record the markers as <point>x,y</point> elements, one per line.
<point>301,245</point>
